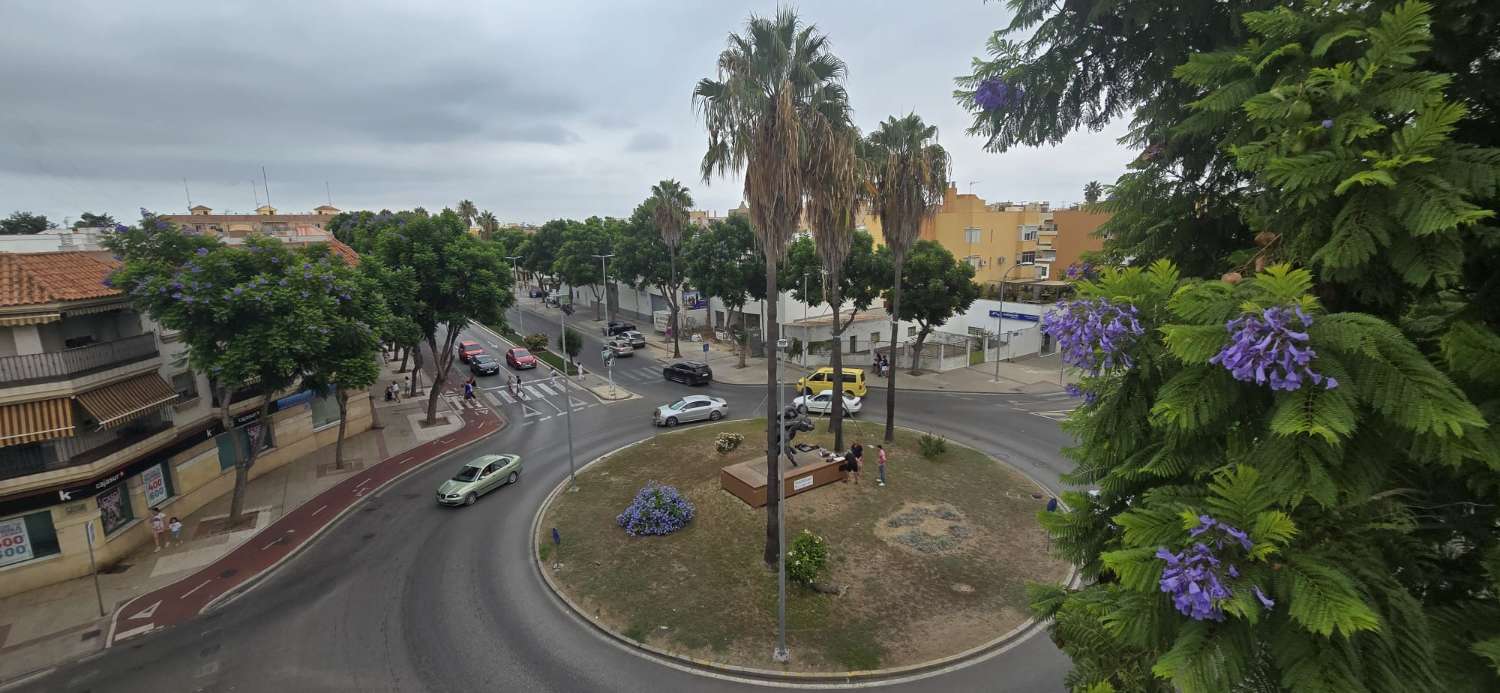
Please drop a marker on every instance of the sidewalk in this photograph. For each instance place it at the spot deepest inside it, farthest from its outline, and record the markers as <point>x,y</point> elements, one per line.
<point>58,623</point>
<point>1028,374</point>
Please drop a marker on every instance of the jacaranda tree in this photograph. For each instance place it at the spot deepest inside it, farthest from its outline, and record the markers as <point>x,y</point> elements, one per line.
<point>1296,467</point>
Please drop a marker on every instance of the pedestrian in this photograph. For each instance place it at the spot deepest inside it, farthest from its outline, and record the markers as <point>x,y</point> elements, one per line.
<point>468,391</point>
<point>856,457</point>
<point>880,460</point>
<point>158,526</point>
<point>396,391</point>
<point>175,525</point>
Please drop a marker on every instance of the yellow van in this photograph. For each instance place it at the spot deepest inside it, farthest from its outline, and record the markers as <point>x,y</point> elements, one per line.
<point>822,380</point>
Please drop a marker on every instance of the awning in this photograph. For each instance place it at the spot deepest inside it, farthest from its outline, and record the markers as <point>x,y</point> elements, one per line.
<point>29,319</point>
<point>29,422</point>
<point>117,403</point>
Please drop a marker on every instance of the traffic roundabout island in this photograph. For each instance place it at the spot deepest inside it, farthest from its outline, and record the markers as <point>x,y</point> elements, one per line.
<point>921,573</point>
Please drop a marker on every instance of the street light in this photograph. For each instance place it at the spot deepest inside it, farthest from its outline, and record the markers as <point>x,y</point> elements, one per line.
<point>781,654</point>
<point>605,272</point>
<point>1000,321</point>
<point>515,273</point>
<point>562,343</point>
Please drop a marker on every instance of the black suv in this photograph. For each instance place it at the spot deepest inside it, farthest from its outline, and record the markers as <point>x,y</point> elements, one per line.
<point>689,373</point>
<point>484,364</point>
<point>616,327</point>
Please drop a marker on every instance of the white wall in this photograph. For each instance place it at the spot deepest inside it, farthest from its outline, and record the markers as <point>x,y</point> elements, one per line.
<point>1027,337</point>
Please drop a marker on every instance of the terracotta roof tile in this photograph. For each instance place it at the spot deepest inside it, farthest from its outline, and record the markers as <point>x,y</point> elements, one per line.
<point>341,249</point>
<point>37,278</point>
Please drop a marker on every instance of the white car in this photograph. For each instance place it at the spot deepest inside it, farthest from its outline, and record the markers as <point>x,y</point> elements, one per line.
<point>690,408</point>
<point>822,403</point>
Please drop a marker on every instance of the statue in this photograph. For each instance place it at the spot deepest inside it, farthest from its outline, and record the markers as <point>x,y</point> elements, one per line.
<point>793,421</point>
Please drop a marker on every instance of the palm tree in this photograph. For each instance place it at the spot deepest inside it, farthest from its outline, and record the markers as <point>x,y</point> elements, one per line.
<point>467,211</point>
<point>770,81</point>
<point>488,224</point>
<point>832,176</point>
<point>907,173</point>
<point>669,211</point>
<point>1092,191</point>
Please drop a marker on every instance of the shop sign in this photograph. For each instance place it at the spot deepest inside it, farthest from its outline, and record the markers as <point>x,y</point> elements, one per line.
<point>15,543</point>
<point>155,482</point>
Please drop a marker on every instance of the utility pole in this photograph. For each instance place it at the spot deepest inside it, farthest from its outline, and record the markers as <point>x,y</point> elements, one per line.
<point>266,183</point>
<point>562,343</point>
<point>603,270</point>
<point>520,313</point>
<point>781,654</point>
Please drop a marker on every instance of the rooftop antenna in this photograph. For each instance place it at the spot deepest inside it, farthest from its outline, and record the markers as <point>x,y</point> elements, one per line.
<point>189,195</point>
<point>971,185</point>
<point>265,183</point>
<point>255,191</point>
<point>329,191</point>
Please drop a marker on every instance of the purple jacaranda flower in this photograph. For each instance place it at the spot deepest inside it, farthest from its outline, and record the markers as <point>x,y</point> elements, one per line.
<point>121,228</point>
<point>1268,348</point>
<point>1094,335</point>
<point>1327,123</point>
<point>201,252</point>
<point>1195,576</point>
<point>1079,271</point>
<point>238,290</point>
<point>282,282</point>
<point>1264,600</point>
<point>276,259</point>
<point>995,94</point>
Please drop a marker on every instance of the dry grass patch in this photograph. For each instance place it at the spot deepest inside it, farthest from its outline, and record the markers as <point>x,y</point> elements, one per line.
<point>948,575</point>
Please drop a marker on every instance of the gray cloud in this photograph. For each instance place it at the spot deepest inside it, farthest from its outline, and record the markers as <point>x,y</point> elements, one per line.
<point>534,110</point>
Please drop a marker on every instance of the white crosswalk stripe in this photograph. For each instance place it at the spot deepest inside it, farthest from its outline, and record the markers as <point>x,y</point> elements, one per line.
<point>543,387</point>
<point>538,401</point>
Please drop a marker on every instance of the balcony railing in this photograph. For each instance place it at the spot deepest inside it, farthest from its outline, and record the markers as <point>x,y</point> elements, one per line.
<point>58,365</point>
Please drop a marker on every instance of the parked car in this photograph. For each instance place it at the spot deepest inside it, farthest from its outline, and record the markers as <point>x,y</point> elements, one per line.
<point>689,373</point>
<point>484,364</point>
<point>822,380</point>
<point>468,350</point>
<point>519,358</point>
<point>537,293</point>
<point>822,403</point>
<point>637,339</point>
<point>478,477</point>
<point>621,346</point>
<point>616,327</point>
<point>690,408</point>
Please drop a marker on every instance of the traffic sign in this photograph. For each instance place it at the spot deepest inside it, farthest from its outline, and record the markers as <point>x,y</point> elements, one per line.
<point>705,347</point>
<point>1008,315</point>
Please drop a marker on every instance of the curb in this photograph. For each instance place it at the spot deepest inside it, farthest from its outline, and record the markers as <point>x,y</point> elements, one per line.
<point>251,582</point>
<point>1016,635</point>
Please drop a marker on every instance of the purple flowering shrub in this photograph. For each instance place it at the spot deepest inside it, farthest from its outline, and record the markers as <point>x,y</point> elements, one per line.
<point>1196,576</point>
<point>1081,271</point>
<point>1271,347</point>
<point>656,510</point>
<point>994,94</point>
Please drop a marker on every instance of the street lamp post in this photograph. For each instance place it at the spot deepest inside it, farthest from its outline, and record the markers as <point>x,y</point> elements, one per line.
<point>1000,321</point>
<point>515,273</point>
<point>807,342</point>
<point>781,654</point>
<point>562,343</point>
<point>605,272</point>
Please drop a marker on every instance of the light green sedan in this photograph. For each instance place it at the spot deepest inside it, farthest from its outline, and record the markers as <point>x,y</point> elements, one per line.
<point>478,477</point>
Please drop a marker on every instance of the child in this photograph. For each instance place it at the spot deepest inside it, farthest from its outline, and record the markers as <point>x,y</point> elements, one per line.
<point>175,525</point>
<point>881,462</point>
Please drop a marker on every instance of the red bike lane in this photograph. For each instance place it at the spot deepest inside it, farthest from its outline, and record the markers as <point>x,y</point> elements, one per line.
<point>183,600</point>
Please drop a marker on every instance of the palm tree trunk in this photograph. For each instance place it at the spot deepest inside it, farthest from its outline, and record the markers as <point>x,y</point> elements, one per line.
<point>338,447</point>
<point>890,385</point>
<point>773,418</point>
<point>674,304</point>
<point>836,413</point>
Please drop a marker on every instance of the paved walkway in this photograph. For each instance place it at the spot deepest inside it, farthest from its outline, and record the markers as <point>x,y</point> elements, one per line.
<point>291,505</point>
<point>1028,374</point>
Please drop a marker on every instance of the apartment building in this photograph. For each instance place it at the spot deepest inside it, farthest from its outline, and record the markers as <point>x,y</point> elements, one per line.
<point>266,220</point>
<point>1015,242</point>
<point>101,420</point>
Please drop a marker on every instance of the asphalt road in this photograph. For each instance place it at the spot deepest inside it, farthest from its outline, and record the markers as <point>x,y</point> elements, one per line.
<point>405,595</point>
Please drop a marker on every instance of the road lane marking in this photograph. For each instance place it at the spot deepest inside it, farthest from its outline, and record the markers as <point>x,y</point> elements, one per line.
<point>544,388</point>
<point>190,592</point>
<point>139,630</point>
<point>531,391</point>
<point>147,612</point>
<point>321,508</point>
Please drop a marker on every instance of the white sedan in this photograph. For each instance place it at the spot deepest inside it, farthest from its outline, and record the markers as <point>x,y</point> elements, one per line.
<point>822,403</point>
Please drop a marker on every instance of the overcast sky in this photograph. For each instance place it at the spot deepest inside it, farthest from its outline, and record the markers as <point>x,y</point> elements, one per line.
<point>534,110</point>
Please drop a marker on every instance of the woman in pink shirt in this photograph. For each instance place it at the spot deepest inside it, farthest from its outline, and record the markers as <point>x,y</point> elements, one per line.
<point>881,462</point>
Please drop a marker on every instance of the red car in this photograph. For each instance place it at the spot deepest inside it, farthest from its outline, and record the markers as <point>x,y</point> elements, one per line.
<point>519,358</point>
<point>467,351</point>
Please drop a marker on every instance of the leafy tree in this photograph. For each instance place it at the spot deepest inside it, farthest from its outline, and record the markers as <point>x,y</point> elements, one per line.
<point>721,261</point>
<point>539,251</point>
<point>642,258</point>
<point>468,212</point>
<point>576,263</point>
<point>572,344</point>
<point>772,80</point>
<point>907,174</point>
<point>669,205</point>
<point>1331,400</point>
<point>250,314</point>
<point>936,287</point>
<point>24,223</point>
<point>356,323</point>
<point>1092,191</point>
<point>459,279</point>
<point>89,220</point>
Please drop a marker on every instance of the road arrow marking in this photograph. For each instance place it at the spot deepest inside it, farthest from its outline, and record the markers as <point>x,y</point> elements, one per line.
<point>147,612</point>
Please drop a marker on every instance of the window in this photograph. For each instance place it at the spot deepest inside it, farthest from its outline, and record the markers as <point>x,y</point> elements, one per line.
<point>911,331</point>
<point>1041,271</point>
<point>1028,257</point>
<point>233,443</point>
<point>186,385</point>
<point>971,235</point>
<point>1028,232</point>
<point>325,411</point>
<point>973,261</point>
<point>27,537</point>
<point>853,343</point>
<point>114,509</point>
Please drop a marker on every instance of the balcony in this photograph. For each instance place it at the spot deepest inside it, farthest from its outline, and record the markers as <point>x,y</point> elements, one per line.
<point>27,369</point>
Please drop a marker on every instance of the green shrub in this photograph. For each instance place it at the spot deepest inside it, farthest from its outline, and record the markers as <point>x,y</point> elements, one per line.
<point>727,442</point>
<point>807,558</point>
<point>932,447</point>
<point>535,342</point>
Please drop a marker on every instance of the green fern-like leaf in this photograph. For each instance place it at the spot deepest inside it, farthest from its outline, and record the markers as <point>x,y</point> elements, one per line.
<point>1322,598</point>
<point>1316,410</point>
<point>1194,344</point>
<point>1194,398</point>
<point>1200,661</point>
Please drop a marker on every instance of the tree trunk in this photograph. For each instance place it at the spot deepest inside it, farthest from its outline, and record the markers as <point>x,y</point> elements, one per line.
<point>916,351</point>
<point>674,304</point>
<point>836,413</point>
<point>439,378</point>
<point>416,367</point>
<point>744,338</point>
<point>598,307</point>
<point>773,418</point>
<point>242,464</point>
<point>237,497</point>
<point>338,447</point>
<point>890,392</point>
<point>405,353</point>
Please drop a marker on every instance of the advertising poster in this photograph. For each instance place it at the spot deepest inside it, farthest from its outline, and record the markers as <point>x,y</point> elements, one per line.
<point>15,544</point>
<point>155,482</point>
<point>114,508</point>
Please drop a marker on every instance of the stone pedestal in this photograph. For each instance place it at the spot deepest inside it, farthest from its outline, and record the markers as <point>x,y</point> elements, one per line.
<point>747,480</point>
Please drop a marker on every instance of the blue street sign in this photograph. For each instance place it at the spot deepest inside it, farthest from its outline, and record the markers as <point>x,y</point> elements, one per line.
<point>556,538</point>
<point>705,347</point>
<point>1025,317</point>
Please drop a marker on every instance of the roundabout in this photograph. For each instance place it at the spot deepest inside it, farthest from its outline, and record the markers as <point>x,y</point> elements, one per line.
<point>922,572</point>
